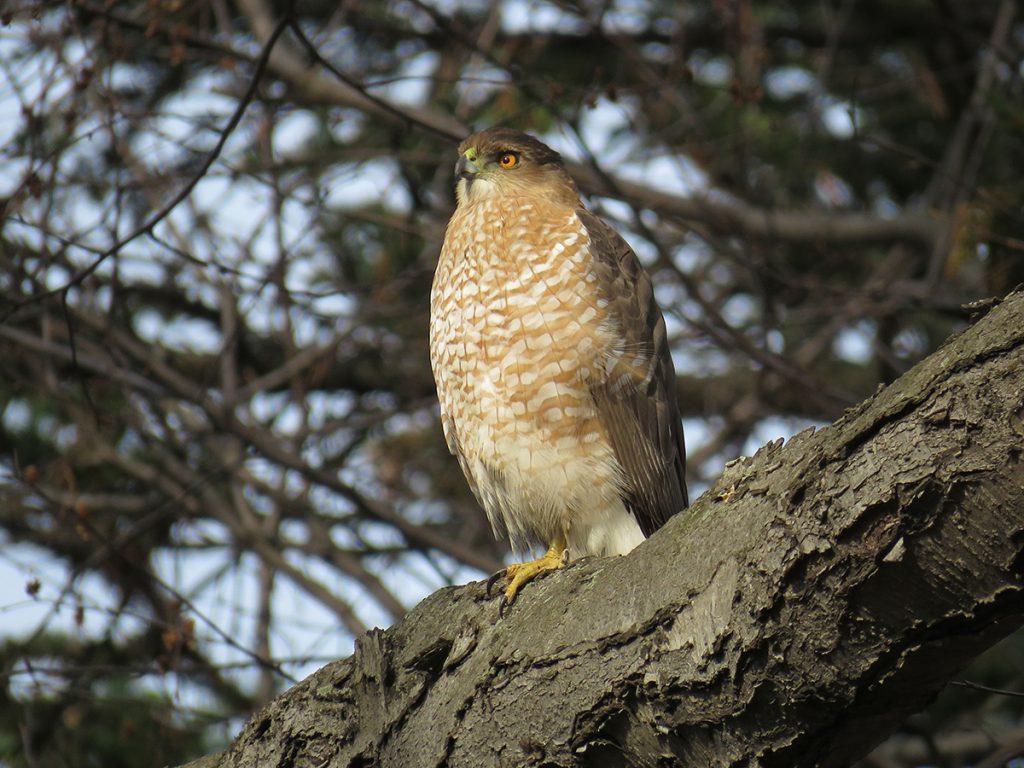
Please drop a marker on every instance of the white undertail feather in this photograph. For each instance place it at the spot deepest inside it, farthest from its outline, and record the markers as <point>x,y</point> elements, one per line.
<point>608,531</point>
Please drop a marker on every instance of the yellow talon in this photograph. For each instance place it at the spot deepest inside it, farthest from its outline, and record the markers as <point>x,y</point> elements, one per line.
<point>521,573</point>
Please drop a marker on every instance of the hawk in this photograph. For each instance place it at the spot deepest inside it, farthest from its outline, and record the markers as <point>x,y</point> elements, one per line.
<point>552,363</point>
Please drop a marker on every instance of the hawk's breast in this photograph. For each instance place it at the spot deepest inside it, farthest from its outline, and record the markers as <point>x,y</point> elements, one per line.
<point>519,329</point>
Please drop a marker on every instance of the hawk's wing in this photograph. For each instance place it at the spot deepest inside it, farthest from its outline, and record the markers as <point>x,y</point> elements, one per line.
<point>637,400</point>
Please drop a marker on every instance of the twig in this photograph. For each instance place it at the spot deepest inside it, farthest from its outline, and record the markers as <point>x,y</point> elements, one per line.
<point>160,215</point>
<point>987,689</point>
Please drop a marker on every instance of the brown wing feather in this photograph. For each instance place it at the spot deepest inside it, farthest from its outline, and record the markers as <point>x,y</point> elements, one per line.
<point>637,401</point>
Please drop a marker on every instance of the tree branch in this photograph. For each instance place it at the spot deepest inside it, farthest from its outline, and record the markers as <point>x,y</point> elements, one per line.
<point>150,223</point>
<point>816,596</point>
<point>737,218</point>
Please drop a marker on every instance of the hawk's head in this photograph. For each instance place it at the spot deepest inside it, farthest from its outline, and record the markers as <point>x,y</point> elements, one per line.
<point>500,161</point>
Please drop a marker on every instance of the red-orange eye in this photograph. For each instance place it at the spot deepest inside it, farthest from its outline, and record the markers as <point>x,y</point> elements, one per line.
<point>508,160</point>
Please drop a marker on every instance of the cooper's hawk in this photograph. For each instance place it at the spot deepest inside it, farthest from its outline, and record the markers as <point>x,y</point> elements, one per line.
<point>551,361</point>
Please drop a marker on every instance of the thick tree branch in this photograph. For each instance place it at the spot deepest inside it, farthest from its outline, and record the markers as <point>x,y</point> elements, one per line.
<point>820,593</point>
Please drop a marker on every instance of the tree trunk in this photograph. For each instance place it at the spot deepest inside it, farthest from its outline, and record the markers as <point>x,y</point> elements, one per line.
<point>795,615</point>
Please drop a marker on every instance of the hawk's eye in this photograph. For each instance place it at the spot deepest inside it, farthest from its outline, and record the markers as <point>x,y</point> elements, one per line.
<point>508,159</point>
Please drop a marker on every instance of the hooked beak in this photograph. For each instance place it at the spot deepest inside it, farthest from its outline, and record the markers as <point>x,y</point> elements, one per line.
<point>466,168</point>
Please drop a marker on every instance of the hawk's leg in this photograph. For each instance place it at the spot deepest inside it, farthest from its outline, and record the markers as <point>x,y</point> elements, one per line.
<point>519,574</point>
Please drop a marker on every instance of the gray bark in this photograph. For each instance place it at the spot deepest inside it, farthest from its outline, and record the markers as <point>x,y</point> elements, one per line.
<point>822,591</point>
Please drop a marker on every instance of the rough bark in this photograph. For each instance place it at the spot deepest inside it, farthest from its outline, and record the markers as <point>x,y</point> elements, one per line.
<point>821,592</point>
